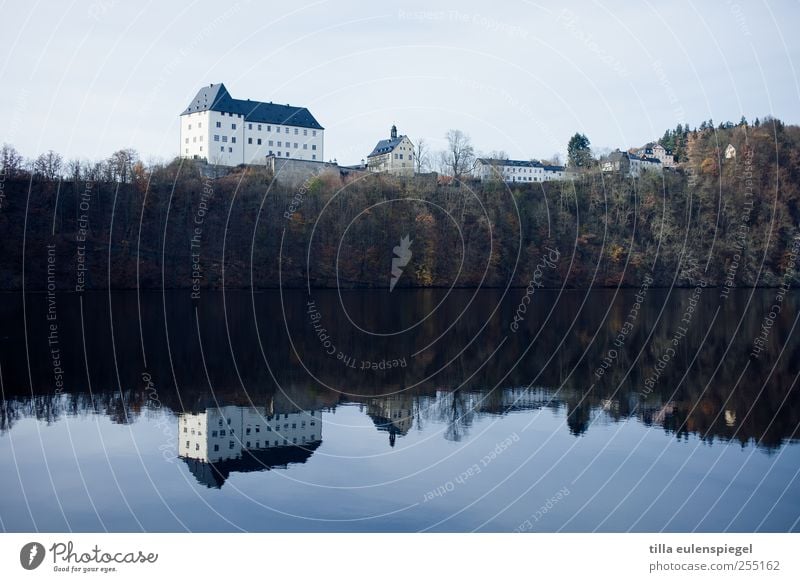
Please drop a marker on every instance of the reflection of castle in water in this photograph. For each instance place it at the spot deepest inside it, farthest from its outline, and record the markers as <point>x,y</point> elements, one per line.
<point>393,414</point>
<point>219,441</point>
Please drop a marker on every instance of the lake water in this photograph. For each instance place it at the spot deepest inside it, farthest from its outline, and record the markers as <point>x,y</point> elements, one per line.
<point>434,410</point>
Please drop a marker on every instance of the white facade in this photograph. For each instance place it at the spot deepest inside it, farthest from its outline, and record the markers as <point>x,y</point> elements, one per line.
<point>730,152</point>
<point>659,152</point>
<point>394,155</point>
<point>221,434</point>
<point>228,132</point>
<point>517,171</point>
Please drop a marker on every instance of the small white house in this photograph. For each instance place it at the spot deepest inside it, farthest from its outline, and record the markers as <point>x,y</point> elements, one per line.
<point>394,155</point>
<point>225,131</point>
<point>730,152</point>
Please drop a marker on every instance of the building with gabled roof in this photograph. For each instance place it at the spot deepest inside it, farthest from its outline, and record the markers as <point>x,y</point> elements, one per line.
<point>517,170</point>
<point>225,131</point>
<point>659,152</point>
<point>630,165</point>
<point>394,155</point>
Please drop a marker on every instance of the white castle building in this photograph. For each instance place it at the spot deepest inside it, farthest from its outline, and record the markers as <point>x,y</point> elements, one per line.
<point>225,131</point>
<point>394,155</point>
<point>517,170</point>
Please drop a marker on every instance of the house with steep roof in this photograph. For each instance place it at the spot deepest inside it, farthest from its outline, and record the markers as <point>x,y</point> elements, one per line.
<point>225,131</point>
<point>630,165</point>
<point>659,152</point>
<point>517,170</point>
<point>394,155</point>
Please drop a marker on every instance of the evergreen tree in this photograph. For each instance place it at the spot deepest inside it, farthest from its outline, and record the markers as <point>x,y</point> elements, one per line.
<point>578,152</point>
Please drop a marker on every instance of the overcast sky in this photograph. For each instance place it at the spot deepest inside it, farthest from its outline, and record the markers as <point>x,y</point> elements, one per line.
<point>85,78</point>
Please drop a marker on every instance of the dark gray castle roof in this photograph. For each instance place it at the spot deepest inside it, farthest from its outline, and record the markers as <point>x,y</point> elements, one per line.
<point>215,97</point>
<point>386,145</point>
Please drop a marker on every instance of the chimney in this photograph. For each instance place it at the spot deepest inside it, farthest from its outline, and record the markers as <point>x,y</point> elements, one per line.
<point>393,133</point>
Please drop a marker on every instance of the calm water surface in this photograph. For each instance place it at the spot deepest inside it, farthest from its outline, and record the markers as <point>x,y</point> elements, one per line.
<point>409,411</point>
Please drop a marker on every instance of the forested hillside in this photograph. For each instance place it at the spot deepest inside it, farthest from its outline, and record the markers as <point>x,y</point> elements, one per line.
<point>713,218</point>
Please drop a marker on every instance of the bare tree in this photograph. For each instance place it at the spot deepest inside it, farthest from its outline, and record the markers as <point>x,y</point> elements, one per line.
<point>74,169</point>
<point>48,165</point>
<point>121,163</point>
<point>11,163</point>
<point>459,155</point>
<point>422,155</point>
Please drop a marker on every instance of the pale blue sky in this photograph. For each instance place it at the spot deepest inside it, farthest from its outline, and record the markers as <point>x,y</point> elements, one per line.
<point>91,76</point>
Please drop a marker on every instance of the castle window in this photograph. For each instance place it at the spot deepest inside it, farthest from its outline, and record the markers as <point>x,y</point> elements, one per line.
<point>269,128</point>
<point>270,143</point>
<point>314,157</point>
<point>314,132</point>
<point>279,144</point>
<point>247,431</point>
<point>259,141</point>
<point>199,125</point>
<point>313,146</point>
<point>230,150</point>
<point>249,126</point>
<point>216,448</point>
<point>233,140</point>
<point>219,124</point>
<point>197,446</point>
<point>295,131</point>
<point>305,146</point>
<point>201,148</point>
<point>225,139</point>
<point>187,140</point>
<point>233,126</point>
<point>213,433</point>
<point>259,127</point>
<point>250,140</point>
<point>222,148</point>
<point>190,126</point>
<point>287,129</point>
<point>305,132</point>
<point>230,445</point>
<point>287,154</point>
<point>295,145</point>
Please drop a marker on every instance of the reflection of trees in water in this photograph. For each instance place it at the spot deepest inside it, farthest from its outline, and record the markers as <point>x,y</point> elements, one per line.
<point>50,408</point>
<point>455,409</point>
